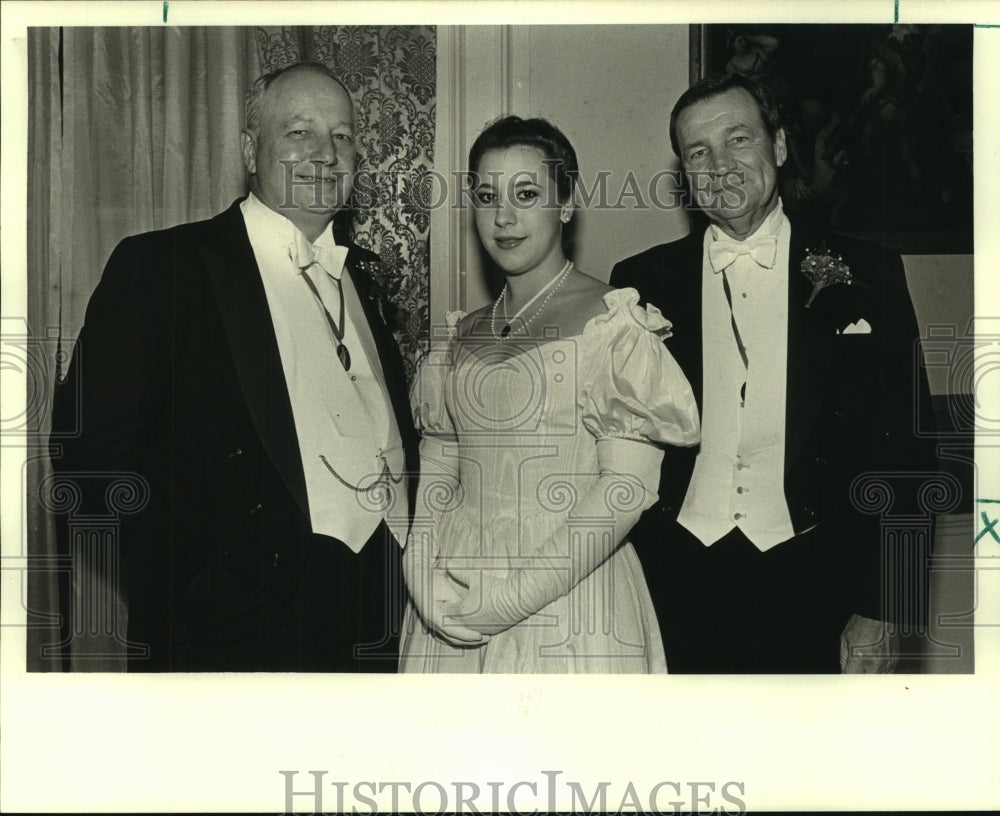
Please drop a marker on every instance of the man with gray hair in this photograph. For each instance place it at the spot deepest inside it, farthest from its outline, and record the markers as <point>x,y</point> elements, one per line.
<point>242,367</point>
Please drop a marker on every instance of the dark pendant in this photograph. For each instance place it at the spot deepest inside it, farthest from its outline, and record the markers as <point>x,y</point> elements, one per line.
<point>345,357</point>
<point>505,331</point>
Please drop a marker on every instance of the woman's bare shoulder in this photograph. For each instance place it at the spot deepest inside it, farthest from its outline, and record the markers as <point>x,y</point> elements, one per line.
<point>586,298</point>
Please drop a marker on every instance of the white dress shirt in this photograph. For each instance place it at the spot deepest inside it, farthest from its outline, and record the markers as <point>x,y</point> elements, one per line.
<point>344,421</point>
<point>738,478</point>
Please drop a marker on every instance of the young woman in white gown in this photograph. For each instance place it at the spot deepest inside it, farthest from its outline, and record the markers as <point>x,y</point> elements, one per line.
<point>541,417</point>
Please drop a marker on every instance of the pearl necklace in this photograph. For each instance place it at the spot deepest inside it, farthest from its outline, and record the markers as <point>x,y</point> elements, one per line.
<point>551,287</point>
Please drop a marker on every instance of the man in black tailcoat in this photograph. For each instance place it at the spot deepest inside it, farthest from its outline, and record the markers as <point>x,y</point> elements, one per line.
<point>242,368</point>
<point>765,553</point>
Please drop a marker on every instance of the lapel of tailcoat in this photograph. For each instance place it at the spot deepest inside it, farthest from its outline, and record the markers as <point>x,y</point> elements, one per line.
<point>680,301</point>
<point>239,291</point>
<point>810,349</point>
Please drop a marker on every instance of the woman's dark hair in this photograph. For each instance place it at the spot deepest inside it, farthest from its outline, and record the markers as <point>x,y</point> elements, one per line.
<point>513,131</point>
<point>713,86</point>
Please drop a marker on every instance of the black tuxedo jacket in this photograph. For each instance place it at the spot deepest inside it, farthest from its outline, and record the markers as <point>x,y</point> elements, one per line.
<point>177,377</point>
<point>852,401</point>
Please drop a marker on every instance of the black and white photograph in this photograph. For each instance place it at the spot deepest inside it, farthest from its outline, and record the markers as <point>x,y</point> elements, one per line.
<point>389,341</point>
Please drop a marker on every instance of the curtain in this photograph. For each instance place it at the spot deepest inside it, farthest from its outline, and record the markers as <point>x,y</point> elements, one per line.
<point>135,129</point>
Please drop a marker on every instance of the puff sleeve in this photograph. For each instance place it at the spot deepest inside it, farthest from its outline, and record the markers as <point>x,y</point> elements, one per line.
<point>634,388</point>
<point>439,474</point>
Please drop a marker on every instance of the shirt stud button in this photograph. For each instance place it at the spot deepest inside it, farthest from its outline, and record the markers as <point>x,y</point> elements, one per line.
<point>737,516</point>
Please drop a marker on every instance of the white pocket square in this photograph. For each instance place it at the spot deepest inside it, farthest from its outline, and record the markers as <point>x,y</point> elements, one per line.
<point>861,327</point>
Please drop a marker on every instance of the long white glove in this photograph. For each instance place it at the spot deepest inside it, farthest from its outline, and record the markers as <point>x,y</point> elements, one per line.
<point>629,473</point>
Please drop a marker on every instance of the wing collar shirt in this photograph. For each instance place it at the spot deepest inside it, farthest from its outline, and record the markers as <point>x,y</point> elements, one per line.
<point>348,437</point>
<point>738,478</point>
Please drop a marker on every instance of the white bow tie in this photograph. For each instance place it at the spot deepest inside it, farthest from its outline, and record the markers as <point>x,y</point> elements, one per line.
<point>304,254</point>
<point>722,252</point>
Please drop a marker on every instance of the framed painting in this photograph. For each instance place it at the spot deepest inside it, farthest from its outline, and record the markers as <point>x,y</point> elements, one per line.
<point>878,121</point>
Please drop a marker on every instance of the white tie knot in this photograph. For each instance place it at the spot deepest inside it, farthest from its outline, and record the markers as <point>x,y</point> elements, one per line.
<point>722,252</point>
<point>330,256</point>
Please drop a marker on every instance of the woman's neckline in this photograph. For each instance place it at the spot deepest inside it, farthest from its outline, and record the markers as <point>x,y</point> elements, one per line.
<point>528,343</point>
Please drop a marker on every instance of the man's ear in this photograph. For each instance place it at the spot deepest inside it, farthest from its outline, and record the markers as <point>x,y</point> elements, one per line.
<point>249,145</point>
<point>780,148</point>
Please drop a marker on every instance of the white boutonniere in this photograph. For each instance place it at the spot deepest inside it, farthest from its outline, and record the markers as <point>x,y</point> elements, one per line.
<point>823,269</point>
